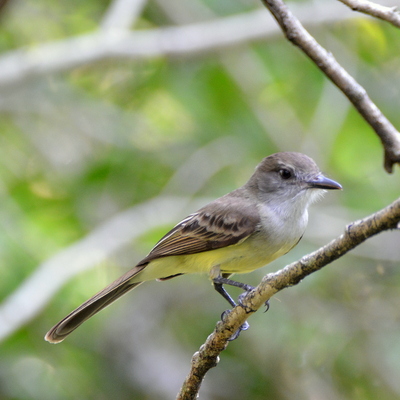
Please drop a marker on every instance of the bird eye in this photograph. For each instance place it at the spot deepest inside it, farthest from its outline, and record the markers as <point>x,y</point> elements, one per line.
<point>285,173</point>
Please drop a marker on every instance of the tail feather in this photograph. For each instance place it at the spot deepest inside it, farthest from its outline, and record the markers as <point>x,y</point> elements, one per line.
<point>92,306</point>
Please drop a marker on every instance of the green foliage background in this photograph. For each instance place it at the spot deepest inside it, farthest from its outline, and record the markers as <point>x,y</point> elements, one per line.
<point>79,147</point>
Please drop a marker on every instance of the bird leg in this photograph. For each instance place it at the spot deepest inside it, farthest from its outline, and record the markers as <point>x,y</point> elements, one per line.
<point>222,280</point>
<point>218,282</point>
<point>221,290</point>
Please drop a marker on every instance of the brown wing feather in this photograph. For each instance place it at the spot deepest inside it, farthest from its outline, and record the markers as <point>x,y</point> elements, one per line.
<point>219,224</point>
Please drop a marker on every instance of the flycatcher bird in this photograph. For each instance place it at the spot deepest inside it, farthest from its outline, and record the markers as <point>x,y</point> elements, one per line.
<point>237,233</point>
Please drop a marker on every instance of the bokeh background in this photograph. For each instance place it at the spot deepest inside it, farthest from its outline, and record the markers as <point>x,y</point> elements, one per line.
<point>118,119</point>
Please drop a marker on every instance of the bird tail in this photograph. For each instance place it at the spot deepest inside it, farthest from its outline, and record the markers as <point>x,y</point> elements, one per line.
<point>92,306</point>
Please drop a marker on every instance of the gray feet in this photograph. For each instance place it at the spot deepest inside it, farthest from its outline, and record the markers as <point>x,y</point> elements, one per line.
<point>243,327</point>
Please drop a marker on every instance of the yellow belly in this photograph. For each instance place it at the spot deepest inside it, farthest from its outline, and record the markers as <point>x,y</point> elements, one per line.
<point>240,258</point>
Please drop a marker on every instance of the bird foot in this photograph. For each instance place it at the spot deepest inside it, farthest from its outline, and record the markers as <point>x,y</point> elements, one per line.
<point>244,294</point>
<point>243,327</point>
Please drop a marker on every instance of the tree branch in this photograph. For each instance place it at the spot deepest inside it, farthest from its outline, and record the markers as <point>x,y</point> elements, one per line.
<point>17,66</point>
<point>121,14</point>
<point>37,290</point>
<point>388,14</point>
<point>355,233</point>
<point>298,35</point>
<point>24,303</point>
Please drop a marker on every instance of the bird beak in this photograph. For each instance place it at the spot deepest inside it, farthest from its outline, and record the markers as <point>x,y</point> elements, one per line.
<point>322,182</point>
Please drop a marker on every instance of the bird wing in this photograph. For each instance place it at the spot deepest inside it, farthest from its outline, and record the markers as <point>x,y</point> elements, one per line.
<point>223,222</point>
<point>219,224</point>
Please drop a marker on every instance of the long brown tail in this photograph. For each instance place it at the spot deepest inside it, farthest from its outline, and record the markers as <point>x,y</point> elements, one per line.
<point>92,306</point>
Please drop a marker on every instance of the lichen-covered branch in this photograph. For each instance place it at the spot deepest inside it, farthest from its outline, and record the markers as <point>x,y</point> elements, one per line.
<point>355,233</point>
<point>299,36</point>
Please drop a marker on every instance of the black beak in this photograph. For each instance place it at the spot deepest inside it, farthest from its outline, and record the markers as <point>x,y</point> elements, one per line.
<point>322,182</point>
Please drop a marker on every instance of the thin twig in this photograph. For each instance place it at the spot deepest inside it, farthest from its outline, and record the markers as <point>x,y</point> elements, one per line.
<point>355,233</point>
<point>325,61</point>
<point>389,14</point>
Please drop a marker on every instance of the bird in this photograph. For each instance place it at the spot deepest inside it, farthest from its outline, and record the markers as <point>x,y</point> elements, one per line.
<point>237,233</point>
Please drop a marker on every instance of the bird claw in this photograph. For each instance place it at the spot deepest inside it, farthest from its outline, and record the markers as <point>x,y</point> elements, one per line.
<point>243,327</point>
<point>244,294</point>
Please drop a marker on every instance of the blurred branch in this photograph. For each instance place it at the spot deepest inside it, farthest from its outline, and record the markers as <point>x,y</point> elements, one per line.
<point>122,13</point>
<point>389,14</point>
<point>19,65</point>
<point>355,233</point>
<point>37,290</point>
<point>208,159</point>
<point>325,61</point>
<point>34,294</point>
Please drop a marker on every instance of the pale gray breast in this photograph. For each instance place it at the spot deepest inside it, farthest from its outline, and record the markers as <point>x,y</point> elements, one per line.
<point>282,226</point>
